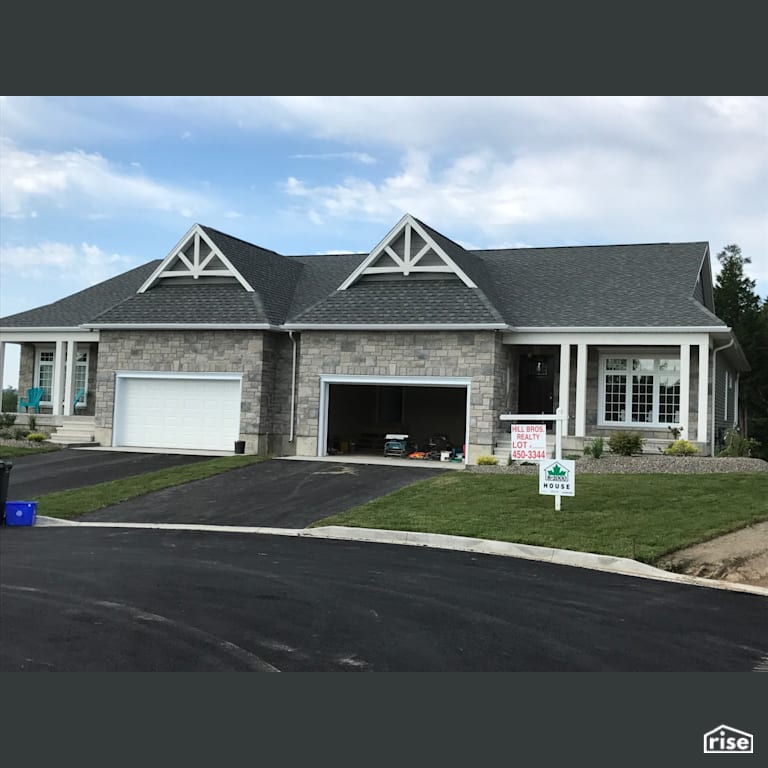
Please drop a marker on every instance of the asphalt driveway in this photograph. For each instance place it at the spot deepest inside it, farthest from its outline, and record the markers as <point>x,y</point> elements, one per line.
<point>68,468</point>
<point>283,494</point>
<point>275,494</point>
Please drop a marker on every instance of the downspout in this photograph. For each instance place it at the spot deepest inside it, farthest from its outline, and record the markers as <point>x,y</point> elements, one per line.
<point>293,388</point>
<point>736,401</point>
<point>714,382</point>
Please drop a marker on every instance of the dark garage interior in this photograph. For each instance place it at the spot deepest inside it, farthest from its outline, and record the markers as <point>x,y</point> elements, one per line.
<point>361,415</point>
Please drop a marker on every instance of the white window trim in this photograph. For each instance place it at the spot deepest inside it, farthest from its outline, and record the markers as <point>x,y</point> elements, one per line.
<point>38,363</point>
<point>84,364</point>
<point>628,356</point>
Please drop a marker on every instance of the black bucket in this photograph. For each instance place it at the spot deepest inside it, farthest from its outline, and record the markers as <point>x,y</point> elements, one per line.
<point>239,446</point>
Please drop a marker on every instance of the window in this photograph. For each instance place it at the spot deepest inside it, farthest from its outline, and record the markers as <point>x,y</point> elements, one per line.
<point>44,374</point>
<point>639,390</point>
<point>81,377</point>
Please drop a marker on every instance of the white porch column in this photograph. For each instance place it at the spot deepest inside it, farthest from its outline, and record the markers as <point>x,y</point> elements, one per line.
<point>685,388</point>
<point>565,382</point>
<point>581,390</point>
<point>701,432</point>
<point>2,368</point>
<point>69,377</point>
<point>57,395</point>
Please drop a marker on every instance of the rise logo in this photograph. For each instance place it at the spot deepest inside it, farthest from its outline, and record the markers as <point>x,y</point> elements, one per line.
<point>725,740</point>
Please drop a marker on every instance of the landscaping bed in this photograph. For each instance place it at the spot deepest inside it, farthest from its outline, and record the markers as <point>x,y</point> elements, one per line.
<point>632,465</point>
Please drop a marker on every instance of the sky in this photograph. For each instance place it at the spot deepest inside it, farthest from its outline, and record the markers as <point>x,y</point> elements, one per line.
<point>94,186</point>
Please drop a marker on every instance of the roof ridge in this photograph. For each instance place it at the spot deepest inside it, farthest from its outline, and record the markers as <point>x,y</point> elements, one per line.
<point>240,240</point>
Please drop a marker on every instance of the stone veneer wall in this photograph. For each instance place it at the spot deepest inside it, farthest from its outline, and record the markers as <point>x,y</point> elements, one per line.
<point>252,353</point>
<point>26,368</point>
<point>478,355</point>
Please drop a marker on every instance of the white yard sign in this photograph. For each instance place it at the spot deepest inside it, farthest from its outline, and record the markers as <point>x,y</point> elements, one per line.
<point>557,477</point>
<point>529,442</point>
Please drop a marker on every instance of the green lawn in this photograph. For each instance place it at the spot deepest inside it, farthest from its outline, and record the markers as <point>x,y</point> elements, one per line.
<point>12,451</point>
<point>637,516</point>
<point>78,501</point>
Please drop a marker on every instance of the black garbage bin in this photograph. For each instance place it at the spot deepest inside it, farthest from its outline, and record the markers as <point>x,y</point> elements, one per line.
<point>239,446</point>
<point>5,477</point>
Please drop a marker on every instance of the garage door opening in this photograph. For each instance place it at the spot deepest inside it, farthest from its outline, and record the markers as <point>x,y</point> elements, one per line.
<point>357,416</point>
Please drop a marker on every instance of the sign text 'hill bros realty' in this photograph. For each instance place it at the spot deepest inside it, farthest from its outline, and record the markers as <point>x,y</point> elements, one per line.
<point>529,442</point>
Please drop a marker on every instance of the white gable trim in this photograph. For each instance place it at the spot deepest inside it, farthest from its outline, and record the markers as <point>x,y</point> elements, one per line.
<point>410,261</point>
<point>197,267</point>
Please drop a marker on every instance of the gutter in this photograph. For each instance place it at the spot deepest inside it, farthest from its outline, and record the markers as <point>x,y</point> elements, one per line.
<point>712,388</point>
<point>293,388</point>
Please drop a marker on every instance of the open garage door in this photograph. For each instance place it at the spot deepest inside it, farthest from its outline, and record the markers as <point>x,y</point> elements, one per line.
<point>177,411</point>
<point>358,412</point>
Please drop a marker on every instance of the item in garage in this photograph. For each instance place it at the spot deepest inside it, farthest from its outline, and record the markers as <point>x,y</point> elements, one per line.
<point>397,445</point>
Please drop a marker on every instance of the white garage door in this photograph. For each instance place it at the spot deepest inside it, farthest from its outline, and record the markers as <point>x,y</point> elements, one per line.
<point>177,412</point>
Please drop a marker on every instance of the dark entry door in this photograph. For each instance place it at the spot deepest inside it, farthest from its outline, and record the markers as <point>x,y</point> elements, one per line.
<point>536,384</point>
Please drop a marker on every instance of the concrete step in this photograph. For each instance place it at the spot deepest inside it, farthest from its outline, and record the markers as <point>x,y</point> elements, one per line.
<point>75,431</point>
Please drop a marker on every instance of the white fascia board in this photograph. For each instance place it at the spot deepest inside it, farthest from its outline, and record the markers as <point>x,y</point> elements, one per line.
<point>455,267</point>
<point>627,337</point>
<point>20,335</point>
<point>193,230</point>
<point>396,327</point>
<point>377,251</point>
<point>621,329</point>
<point>161,267</point>
<point>403,381</point>
<point>373,255</point>
<point>210,375</point>
<point>186,327</point>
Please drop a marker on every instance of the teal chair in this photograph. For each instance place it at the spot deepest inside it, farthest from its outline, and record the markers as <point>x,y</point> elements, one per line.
<point>79,395</point>
<point>34,396</point>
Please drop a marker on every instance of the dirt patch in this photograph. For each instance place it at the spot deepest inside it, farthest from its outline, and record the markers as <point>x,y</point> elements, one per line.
<point>741,556</point>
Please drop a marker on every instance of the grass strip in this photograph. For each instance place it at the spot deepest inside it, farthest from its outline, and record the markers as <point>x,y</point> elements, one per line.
<point>13,451</point>
<point>638,516</point>
<point>78,501</point>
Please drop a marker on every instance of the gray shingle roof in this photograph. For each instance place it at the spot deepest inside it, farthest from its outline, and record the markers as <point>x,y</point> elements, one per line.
<point>84,305</point>
<point>272,276</point>
<point>597,286</point>
<point>173,303</point>
<point>650,285</point>
<point>402,302</point>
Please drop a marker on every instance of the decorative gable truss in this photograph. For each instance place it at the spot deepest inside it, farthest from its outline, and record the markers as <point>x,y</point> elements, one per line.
<point>194,257</point>
<point>406,250</point>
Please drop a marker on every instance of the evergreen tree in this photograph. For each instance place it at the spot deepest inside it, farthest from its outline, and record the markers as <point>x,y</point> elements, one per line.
<point>738,306</point>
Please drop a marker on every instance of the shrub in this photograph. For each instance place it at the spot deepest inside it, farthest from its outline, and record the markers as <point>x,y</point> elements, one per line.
<point>681,448</point>
<point>32,422</point>
<point>625,443</point>
<point>36,437</point>
<point>7,420</point>
<point>737,445</point>
<point>19,434</point>
<point>595,448</point>
<point>487,460</point>
<point>10,399</point>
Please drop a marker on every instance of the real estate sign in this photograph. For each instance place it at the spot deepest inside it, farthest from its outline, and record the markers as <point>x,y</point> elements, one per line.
<point>557,477</point>
<point>529,441</point>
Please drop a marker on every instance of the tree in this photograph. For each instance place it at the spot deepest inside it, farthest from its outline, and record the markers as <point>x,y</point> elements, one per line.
<point>737,304</point>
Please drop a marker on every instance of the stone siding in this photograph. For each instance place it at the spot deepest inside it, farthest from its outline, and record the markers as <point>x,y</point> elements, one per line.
<point>198,352</point>
<point>478,355</point>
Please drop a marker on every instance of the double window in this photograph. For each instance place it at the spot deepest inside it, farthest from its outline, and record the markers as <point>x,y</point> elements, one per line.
<point>46,360</point>
<point>639,390</point>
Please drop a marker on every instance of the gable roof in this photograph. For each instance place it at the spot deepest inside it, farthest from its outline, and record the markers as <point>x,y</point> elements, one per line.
<point>658,285</point>
<point>409,248</point>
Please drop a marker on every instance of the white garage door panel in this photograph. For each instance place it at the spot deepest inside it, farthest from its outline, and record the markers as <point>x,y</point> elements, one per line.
<point>178,413</point>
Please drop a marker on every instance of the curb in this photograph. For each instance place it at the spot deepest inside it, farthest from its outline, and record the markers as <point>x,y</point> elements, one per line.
<point>608,563</point>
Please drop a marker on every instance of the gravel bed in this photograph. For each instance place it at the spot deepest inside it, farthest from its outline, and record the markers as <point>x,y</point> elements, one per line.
<point>670,465</point>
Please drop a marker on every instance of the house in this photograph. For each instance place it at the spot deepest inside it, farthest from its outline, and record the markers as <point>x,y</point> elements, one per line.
<point>223,340</point>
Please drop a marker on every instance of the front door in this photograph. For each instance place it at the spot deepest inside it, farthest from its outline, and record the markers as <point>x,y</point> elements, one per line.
<point>536,386</point>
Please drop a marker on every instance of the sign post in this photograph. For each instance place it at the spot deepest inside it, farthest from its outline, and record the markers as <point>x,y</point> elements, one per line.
<point>529,441</point>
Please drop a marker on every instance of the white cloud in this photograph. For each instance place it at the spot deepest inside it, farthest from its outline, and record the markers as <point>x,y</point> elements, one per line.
<point>358,157</point>
<point>80,182</point>
<point>83,264</point>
